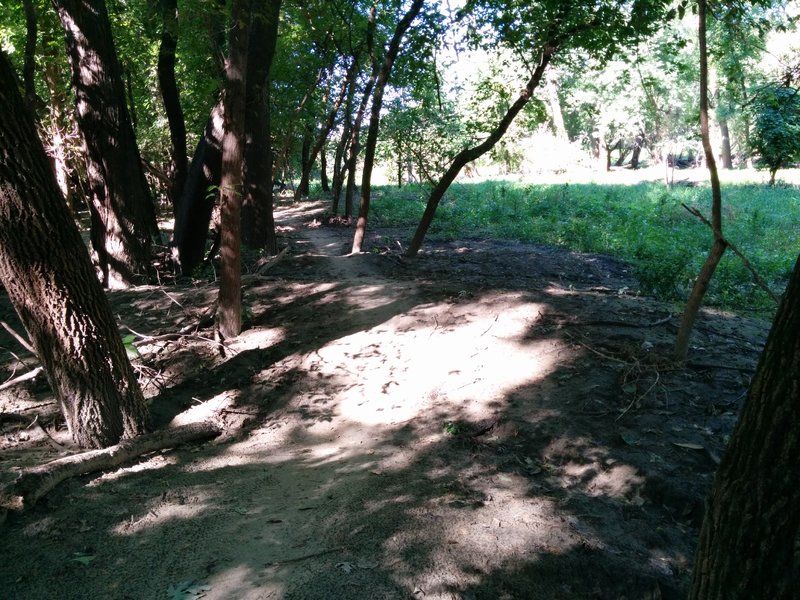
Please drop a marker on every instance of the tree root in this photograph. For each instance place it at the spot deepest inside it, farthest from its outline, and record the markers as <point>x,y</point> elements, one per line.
<point>34,483</point>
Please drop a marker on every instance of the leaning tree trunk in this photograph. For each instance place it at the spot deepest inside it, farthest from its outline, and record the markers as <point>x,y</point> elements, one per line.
<point>199,194</point>
<point>258,223</point>
<point>229,316</point>
<point>374,121</point>
<point>749,534</point>
<point>317,149</point>
<point>46,271</point>
<point>172,99</point>
<point>469,154</point>
<point>718,249</point>
<point>122,206</point>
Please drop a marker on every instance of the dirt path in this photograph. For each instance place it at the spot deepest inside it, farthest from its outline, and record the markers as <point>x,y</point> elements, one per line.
<point>486,421</point>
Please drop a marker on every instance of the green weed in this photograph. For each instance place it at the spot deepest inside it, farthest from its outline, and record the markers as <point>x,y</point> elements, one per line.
<point>643,224</point>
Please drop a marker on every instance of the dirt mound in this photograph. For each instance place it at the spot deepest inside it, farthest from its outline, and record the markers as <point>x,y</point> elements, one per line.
<point>488,420</point>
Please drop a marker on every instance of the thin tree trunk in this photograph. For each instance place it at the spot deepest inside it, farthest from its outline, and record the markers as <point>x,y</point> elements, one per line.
<point>718,249</point>
<point>374,121</point>
<point>323,170</point>
<point>748,539</point>
<point>555,108</point>
<point>258,223</point>
<point>52,285</point>
<point>469,154</point>
<point>230,293</point>
<point>325,130</point>
<point>121,203</point>
<point>172,101</point>
<point>727,159</point>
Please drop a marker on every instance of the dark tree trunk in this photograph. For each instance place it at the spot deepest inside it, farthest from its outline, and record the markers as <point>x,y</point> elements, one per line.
<point>258,223</point>
<point>748,539</point>
<point>355,148</point>
<point>29,65</point>
<point>323,171</point>
<point>229,315</point>
<point>172,100</point>
<point>46,271</point>
<point>374,121</point>
<point>638,144</point>
<point>306,164</point>
<point>121,204</point>
<point>700,286</point>
<point>470,154</point>
<point>200,194</point>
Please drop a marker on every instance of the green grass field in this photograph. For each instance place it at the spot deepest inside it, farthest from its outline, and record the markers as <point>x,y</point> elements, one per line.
<point>643,224</point>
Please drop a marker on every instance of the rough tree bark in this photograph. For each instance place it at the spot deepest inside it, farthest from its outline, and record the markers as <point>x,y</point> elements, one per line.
<point>469,154</point>
<point>172,99</point>
<point>123,211</point>
<point>258,224</point>
<point>49,278</point>
<point>374,121</point>
<point>748,539</point>
<point>229,315</point>
<point>700,287</point>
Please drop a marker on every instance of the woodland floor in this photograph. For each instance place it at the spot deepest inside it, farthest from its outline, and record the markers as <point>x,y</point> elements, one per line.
<point>486,421</point>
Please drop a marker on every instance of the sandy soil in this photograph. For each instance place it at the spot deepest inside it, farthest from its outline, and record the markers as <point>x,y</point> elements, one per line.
<point>488,420</point>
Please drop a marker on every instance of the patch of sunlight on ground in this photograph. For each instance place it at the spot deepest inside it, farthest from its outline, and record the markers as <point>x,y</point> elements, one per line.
<point>242,583</point>
<point>168,508</point>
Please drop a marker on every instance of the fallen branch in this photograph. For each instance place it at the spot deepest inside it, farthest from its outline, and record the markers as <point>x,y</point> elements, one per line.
<point>34,483</point>
<point>271,262</point>
<point>747,264</point>
<point>24,377</point>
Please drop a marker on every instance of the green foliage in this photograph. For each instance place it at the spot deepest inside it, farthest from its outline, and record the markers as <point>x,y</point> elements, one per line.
<point>643,224</point>
<point>777,127</point>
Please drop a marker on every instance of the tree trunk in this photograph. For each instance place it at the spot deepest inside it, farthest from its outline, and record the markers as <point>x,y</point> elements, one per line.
<point>469,154</point>
<point>230,293</point>
<point>374,121</point>
<point>306,164</point>
<point>172,100</point>
<point>638,144</point>
<point>325,131</point>
<point>29,64</point>
<point>727,160</point>
<point>122,206</point>
<point>555,108</point>
<point>258,223</point>
<point>200,194</point>
<point>748,539</point>
<point>718,249</point>
<point>52,285</point>
<point>339,164</point>
<point>323,171</point>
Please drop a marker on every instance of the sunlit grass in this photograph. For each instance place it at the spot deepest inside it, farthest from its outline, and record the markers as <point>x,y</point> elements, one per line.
<point>644,224</point>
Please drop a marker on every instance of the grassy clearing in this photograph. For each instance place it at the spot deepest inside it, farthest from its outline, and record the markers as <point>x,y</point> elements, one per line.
<point>644,224</point>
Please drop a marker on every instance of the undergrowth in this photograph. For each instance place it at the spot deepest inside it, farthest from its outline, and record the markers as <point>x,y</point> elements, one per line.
<point>643,224</point>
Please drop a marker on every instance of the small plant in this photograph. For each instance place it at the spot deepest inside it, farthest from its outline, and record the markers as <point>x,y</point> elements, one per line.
<point>453,428</point>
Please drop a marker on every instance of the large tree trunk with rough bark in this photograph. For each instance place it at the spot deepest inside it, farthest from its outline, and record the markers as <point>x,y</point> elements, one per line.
<point>171,99</point>
<point>49,278</point>
<point>469,154</point>
<point>748,539</point>
<point>123,210</point>
<point>374,121</point>
<point>718,248</point>
<point>229,316</point>
<point>199,194</point>
<point>258,224</point>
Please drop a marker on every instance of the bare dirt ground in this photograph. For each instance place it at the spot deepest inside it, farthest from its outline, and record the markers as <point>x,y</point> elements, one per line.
<point>486,421</point>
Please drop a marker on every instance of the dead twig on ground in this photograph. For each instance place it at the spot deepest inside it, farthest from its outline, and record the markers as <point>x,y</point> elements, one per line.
<point>21,379</point>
